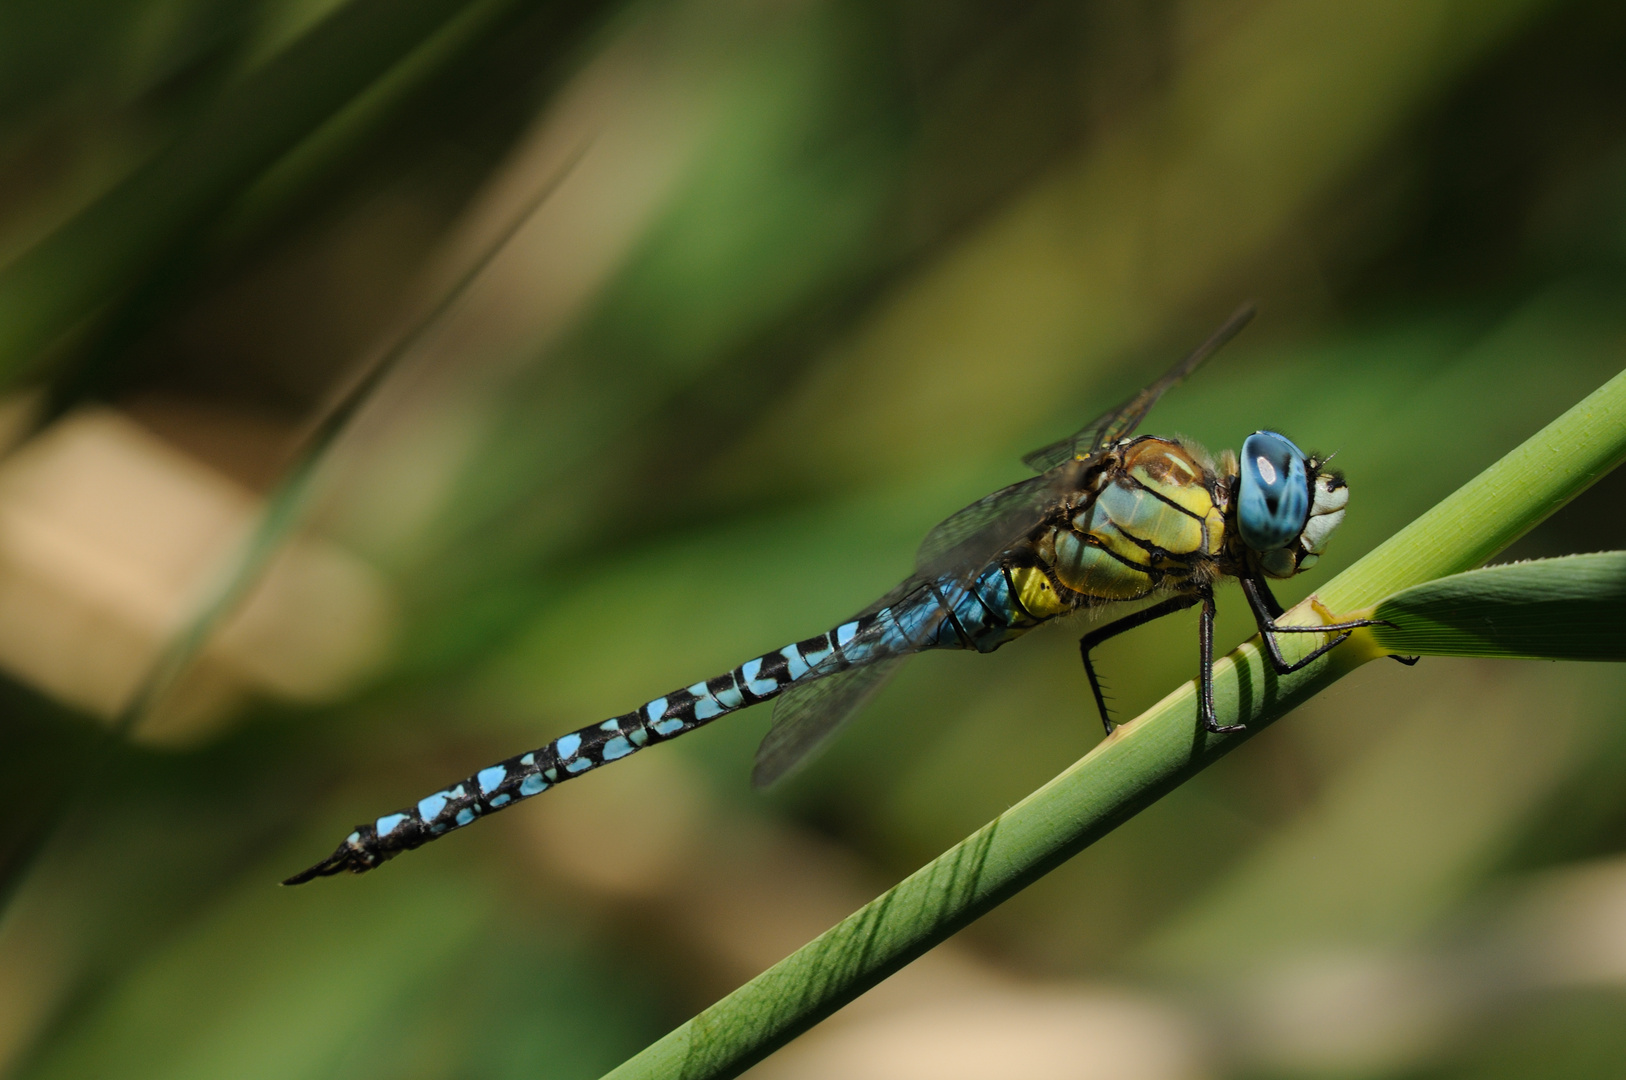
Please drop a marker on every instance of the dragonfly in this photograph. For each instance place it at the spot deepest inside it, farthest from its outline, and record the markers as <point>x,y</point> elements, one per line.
<point>1111,518</point>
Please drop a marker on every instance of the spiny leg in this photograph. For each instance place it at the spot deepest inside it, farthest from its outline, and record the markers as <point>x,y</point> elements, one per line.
<point>1205,674</point>
<point>1113,629</point>
<point>1265,612</point>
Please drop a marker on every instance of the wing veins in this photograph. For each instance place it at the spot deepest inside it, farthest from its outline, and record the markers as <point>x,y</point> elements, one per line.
<point>1117,423</point>
<point>961,545</point>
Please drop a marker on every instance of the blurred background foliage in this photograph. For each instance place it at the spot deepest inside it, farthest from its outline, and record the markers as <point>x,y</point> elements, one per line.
<point>809,275</point>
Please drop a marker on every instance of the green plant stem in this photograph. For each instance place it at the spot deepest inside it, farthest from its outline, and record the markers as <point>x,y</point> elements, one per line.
<point>1501,504</point>
<point>1138,764</point>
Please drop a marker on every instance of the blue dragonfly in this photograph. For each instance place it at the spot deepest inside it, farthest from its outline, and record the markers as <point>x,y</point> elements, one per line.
<point>1111,518</point>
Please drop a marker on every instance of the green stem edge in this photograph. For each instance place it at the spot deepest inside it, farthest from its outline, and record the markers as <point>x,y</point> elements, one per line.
<point>1138,764</point>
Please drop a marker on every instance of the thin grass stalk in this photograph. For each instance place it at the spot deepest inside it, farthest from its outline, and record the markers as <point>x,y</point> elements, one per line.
<point>284,510</point>
<point>1138,764</point>
<point>286,504</point>
<point>94,257</point>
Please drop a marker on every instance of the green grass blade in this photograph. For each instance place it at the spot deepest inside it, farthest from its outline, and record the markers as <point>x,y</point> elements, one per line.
<point>285,506</point>
<point>75,271</point>
<point>284,510</point>
<point>1142,761</point>
<point>1549,609</point>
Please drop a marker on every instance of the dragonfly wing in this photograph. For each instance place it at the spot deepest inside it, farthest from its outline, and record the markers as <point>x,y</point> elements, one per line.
<point>816,706</point>
<point>961,545</point>
<point>965,541</point>
<point>807,714</point>
<point>1111,426</point>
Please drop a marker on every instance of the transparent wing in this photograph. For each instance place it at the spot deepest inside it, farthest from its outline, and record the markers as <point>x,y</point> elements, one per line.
<point>966,540</point>
<point>807,714</point>
<point>1111,426</point>
<point>816,707</point>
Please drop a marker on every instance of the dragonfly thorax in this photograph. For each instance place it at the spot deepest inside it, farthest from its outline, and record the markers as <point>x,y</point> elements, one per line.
<point>1148,517</point>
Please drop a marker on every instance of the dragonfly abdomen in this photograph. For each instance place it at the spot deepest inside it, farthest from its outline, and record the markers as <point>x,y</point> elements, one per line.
<point>938,615</point>
<point>1110,518</point>
<point>987,612</point>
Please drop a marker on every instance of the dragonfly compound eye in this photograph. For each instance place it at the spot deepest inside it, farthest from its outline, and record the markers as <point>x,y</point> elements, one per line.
<point>1273,502</point>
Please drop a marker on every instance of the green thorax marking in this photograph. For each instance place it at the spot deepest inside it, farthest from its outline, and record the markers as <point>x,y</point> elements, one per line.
<point>1153,518</point>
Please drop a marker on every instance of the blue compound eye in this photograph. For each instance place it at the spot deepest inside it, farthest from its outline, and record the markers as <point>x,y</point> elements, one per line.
<point>1273,502</point>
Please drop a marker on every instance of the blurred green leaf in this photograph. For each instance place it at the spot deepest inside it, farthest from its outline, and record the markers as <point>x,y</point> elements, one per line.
<point>330,968</point>
<point>1549,609</point>
<point>93,258</point>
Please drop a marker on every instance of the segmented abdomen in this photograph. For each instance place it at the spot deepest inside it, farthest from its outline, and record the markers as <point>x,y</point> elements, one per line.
<point>944,613</point>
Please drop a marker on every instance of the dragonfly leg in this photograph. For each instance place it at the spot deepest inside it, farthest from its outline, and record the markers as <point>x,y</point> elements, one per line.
<point>1205,675</point>
<point>1113,629</point>
<point>1265,612</point>
<point>1260,597</point>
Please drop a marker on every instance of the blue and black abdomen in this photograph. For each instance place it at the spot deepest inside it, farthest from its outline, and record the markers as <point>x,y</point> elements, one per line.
<point>945,613</point>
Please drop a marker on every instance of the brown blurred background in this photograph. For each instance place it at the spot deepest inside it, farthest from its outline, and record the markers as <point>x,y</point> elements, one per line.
<point>805,277</point>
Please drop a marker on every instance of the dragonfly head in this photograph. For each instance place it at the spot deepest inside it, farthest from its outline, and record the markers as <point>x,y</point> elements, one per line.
<point>1286,507</point>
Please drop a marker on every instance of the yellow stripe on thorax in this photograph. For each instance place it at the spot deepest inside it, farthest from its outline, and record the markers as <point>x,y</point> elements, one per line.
<point>1035,592</point>
<point>1086,568</point>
